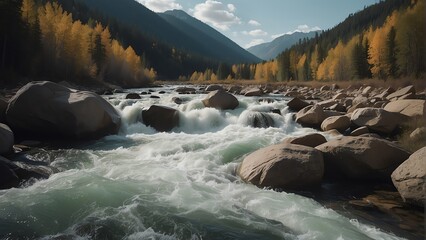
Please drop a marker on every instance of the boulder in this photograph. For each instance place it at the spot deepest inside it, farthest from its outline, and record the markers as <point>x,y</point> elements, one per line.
<point>418,134</point>
<point>410,178</point>
<point>367,90</point>
<point>235,89</point>
<point>327,103</point>
<point>6,139</point>
<point>311,116</point>
<point>185,90</point>
<point>361,158</point>
<point>377,119</point>
<point>340,123</point>
<point>221,100</point>
<point>11,175</point>
<point>360,131</point>
<point>3,107</point>
<point>253,92</point>
<point>177,100</point>
<point>356,106</point>
<point>340,96</point>
<point>46,109</point>
<point>286,166</point>
<point>260,120</point>
<point>133,96</point>
<point>310,140</point>
<point>410,108</point>
<point>296,104</point>
<point>212,88</point>
<point>162,119</point>
<point>401,92</point>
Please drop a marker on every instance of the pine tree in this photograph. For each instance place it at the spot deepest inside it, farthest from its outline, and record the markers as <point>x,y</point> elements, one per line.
<point>391,53</point>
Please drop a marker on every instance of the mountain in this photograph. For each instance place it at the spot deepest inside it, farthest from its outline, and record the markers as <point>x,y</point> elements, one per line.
<point>270,50</point>
<point>222,47</point>
<point>176,29</point>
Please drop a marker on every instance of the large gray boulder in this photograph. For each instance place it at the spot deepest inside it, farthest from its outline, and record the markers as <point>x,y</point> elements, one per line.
<point>12,175</point>
<point>287,166</point>
<point>311,116</point>
<point>221,100</point>
<point>297,104</point>
<point>340,123</point>
<point>309,140</point>
<point>3,107</point>
<point>361,158</point>
<point>410,178</point>
<point>162,119</point>
<point>47,109</point>
<point>401,92</point>
<point>6,139</point>
<point>410,108</point>
<point>377,119</point>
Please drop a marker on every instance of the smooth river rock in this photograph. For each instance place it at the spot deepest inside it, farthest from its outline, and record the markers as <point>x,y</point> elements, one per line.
<point>47,109</point>
<point>161,118</point>
<point>286,166</point>
<point>311,116</point>
<point>309,140</point>
<point>6,139</point>
<point>221,100</point>
<point>340,123</point>
<point>410,178</point>
<point>361,158</point>
<point>377,119</point>
<point>410,108</point>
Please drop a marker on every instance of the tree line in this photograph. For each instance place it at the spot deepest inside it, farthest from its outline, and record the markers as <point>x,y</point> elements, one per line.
<point>368,44</point>
<point>41,40</point>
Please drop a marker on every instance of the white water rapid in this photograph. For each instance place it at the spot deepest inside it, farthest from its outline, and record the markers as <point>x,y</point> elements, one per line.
<point>142,184</point>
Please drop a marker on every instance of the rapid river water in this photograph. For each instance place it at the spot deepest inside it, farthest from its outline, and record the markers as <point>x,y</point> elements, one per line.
<point>142,184</point>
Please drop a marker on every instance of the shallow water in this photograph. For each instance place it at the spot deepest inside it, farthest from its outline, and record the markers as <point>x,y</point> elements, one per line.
<point>141,184</point>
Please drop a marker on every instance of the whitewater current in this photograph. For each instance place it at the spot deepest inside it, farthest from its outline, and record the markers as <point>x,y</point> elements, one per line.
<point>143,184</point>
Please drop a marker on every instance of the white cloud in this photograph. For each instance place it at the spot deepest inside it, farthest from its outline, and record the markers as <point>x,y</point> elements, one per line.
<point>216,13</point>
<point>161,5</point>
<point>231,7</point>
<point>254,42</point>
<point>305,28</point>
<point>254,23</point>
<point>256,33</point>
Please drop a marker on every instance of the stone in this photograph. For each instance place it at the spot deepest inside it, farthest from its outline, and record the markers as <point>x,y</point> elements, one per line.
<point>221,100</point>
<point>377,119</point>
<point>410,178</point>
<point>133,96</point>
<point>212,88</point>
<point>402,92</point>
<point>309,140</point>
<point>361,158</point>
<point>7,139</point>
<point>177,100</point>
<point>154,97</point>
<point>356,106</point>
<point>311,116</point>
<point>410,108</point>
<point>340,96</point>
<point>260,120</point>
<point>340,123</point>
<point>11,175</point>
<point>49,110</point>
<point>185,90</point>
<point>418,134</point>
<point>3,107</point>
<point>296,104</point>
<point>253,92</point>
<point>286,166</point>
<point>359,131</point>
<point>162,119</point>
<point>327,103</point>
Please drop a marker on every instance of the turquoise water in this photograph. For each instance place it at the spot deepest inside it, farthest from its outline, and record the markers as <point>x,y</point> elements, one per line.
<point>141,184</point>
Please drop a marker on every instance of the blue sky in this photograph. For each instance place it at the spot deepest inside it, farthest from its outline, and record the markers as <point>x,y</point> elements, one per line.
<point>250,22</point>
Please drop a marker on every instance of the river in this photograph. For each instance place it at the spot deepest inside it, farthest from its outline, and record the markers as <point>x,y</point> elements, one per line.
<point>141,184</point>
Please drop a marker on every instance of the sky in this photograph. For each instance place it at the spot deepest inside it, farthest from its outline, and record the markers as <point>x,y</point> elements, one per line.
<point>251,22</point>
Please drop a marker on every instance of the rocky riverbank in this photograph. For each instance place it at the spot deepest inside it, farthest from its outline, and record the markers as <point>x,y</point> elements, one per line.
<point>365,121</point>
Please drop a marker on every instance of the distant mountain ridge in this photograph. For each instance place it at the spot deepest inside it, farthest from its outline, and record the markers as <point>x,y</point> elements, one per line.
<point>270,50</point>
<point>175,28</point>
